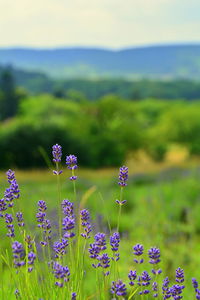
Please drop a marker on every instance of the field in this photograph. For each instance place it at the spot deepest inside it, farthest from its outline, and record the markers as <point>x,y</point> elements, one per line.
<point>162,210</point>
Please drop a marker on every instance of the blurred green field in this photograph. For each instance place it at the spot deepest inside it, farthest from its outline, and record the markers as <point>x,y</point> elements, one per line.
<point>162,210</point>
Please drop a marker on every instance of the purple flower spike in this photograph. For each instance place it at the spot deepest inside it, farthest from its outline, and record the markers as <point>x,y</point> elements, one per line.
<point>10,226</point>
<point>197,294</point>
<point>73,296</point>
<point>20,219</point>
<point>31,259</point>
<point>3,207</point>
<point>104,262</point>
<point>123,176</point>
<point>85,222</point>
<point>179,275</point>
<point>143,282</point>
<point>18,254</point>
<point>154,255</point>
<point>132,277</point>
<point>44,223</point>
<point>176,291</point>
<point>195,283</point>
<point>68,224</point>
<point>57,153</point>
<point>100,240</point>
<point>138,251</point>
<point>118,288</point>
<point>71,162</point>
<point>165,289</point>
<point>67,208</point>
<point>114,243</point>
<point>155,289</point>
<point>61,273</point>
<point>10,175</point>
<point>60,247</point>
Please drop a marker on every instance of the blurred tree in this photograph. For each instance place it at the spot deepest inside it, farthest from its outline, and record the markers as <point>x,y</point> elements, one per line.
<point>9,97</point>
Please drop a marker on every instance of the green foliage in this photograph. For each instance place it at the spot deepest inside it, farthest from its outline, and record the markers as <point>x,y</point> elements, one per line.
<point>101,133</point>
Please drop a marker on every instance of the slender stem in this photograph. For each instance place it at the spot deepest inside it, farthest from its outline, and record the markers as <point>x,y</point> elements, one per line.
<point>59,201</point>
<point>120,208</point>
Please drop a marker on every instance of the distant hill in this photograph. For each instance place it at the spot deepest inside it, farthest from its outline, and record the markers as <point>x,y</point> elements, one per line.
<point>158,62</point>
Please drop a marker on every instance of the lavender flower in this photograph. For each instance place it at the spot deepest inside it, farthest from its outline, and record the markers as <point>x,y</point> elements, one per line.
<point>118,288</point>
<point>138,251</point>
<point>57,153</point>
<point>155,289</point>
<point>73,296</point>
<point>31,259</point>
<point>44,223</point>
<point>195,283</point>
<point>29,242</point>
<point>10,175</point>
<point>85,222</point>
<point>17,294</point>
<point>71,162</point>
<point>61,273</point>
<point>179,275</point>
<point>165,289</point>
<point>154,255</point>
<point>20,219</point>
<point>197,294</point>
<point>68,224</point>
<point>176,291</point>
<point>114,243</point>
<point>18,254</point>
<point>104,262</point>
<point>144,281</point>
<point>94,250</point>
<point>3,207</point>
<point>67,208</point>
<point>60,247</point>
<point>10,226</point>
<point>132,277</point>
<point>123,176</point>
<point>100,240</point>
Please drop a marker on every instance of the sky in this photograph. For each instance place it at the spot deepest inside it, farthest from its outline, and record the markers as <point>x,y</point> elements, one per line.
<point>98,23</point>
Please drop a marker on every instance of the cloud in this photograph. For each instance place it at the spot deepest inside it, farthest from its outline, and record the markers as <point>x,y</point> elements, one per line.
<point>112,23</point>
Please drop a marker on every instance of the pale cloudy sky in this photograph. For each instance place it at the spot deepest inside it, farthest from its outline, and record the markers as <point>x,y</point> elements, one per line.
<point>104,23</point>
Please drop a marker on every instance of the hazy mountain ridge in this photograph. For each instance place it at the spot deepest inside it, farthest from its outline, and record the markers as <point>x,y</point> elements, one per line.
<point>180,61</point>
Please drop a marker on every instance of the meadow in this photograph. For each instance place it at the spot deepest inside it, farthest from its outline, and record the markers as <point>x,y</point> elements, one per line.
<point>162,210</point>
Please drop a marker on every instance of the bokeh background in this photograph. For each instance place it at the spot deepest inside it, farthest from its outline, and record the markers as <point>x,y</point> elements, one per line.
<point>114,83</point>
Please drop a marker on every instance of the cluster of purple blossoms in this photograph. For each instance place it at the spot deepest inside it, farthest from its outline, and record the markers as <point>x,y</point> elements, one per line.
<point>73,296</point>
<point>177,289</point>
<point>132,277</point>
<point>85,223</point>
<point>154,255</point>
<point>20,219</point>
<point>123,176</point>
<point>95,252</point>
<point>18,254</point>
<point>61,273</point>
<point>144,281</point>
<point>57,155</point>
<point>10,193</point>
<point>9,225</point>
<point>195,286</point>
<point>118,288</point>
<point>166,289</point>
<point>31,259</point>
<point>44,223</point>
<point>138,251</point>
<point>60,247</point>
<point>67,207</point>
<point>3,207</point>
<point>155,289</point>
<point>71,162</point>
<point>29,241</point>
<point>114,243</point>
<point>68,224</point>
